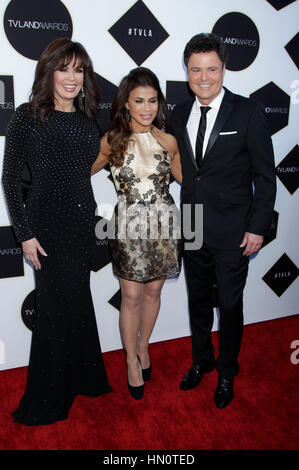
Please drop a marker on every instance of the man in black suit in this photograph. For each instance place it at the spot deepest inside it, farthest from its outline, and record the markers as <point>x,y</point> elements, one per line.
<point>228,167</point>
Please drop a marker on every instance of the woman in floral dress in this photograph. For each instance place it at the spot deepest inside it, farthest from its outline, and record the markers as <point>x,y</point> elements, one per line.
<point>145,230</point>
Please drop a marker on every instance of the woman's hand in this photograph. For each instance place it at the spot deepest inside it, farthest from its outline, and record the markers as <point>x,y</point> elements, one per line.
<point>30,248</point>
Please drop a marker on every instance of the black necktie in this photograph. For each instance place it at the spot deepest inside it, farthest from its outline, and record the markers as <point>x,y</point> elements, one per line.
<point>201,133</point>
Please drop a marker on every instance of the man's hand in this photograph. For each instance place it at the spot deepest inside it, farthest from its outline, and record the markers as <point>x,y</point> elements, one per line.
<point>30,248</point>
<point>252,242</point>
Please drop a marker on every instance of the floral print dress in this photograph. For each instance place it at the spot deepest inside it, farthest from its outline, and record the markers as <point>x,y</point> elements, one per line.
<point>144,233</point>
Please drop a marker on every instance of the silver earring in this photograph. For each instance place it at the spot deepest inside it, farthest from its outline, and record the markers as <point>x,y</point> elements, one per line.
<point>82,92</point>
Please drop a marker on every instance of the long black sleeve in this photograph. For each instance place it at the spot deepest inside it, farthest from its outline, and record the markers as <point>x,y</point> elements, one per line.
<point>264,178</point>
<point>15,156</point>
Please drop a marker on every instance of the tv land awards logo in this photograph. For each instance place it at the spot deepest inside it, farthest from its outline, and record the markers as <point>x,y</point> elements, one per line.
<point>29,28</point>
<point>282,274</point>
<point>276,105</point>
<point>107,92</point>
<point>138,32</point>
<point>7,101</point>
<point>177,93</point>
<point>288,170</point>
<point>28,310</point>
<point>241,37</point>
<point>11,255</point>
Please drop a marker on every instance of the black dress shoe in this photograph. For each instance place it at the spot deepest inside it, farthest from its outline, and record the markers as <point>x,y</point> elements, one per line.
<point>224,392</point>
<point>193,377</point>
<point>146,373</point>
<point>136,392</point>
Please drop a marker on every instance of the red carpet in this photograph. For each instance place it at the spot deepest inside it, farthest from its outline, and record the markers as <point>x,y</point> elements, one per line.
<point>263,416</point>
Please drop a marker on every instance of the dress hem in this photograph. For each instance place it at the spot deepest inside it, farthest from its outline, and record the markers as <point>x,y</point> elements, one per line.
<point>19,417</point>
<point>167,276</point>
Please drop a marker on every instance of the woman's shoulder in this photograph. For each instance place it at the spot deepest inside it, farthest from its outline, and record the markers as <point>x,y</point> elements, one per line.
<point>21,117</point>
<point>23,108</point>
<point>167,140</point>
<point>23,112</point>
<point>165,136</point>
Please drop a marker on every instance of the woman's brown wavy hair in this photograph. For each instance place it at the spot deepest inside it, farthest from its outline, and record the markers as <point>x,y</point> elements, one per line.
<point>57,54</point>
<point>120,131</point>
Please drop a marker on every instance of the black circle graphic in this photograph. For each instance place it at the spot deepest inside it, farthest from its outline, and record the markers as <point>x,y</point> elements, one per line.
<point>29,28</point>
<point>241,37</point>
<point>28,310</point>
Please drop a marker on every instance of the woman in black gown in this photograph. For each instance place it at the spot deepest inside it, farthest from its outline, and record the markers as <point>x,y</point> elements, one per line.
<point>55,133</point>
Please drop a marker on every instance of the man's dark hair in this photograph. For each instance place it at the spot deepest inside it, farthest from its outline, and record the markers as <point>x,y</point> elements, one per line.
<point>205,42</point>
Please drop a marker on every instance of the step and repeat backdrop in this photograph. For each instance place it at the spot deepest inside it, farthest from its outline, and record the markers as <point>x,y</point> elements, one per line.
<point>120,35</point>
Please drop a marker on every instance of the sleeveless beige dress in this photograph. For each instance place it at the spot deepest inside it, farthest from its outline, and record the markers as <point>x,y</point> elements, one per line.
<point>144,236</point>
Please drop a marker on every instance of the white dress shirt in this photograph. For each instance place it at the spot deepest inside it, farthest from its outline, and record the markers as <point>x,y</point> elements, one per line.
<point>194,118</point>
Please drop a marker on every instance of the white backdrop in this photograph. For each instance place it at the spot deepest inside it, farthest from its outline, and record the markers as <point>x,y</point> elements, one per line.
<point>182,19</point>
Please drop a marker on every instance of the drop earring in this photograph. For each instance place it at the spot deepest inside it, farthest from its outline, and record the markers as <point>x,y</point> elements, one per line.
<point>82,92</point>
<point>128,115</point>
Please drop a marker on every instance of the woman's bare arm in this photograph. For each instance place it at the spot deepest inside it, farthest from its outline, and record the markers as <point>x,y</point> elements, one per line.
<point>102,158</point>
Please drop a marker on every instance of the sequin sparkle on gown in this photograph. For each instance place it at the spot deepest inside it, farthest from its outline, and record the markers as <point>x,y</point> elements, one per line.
<point>65,357</point>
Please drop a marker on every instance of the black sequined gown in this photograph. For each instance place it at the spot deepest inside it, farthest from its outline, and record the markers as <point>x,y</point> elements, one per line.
<point>65,357</point>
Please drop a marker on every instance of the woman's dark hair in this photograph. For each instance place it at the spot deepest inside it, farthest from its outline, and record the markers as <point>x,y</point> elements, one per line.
<point>120,131</point>
<point>205,42</point>
<point>57,54</point>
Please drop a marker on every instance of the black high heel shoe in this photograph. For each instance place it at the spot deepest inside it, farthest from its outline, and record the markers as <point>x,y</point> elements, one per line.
<point>146,373</point>
<point>136,392</point>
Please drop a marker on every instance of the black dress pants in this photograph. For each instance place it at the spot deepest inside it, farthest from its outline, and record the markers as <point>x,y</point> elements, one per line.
<point>228,269</point>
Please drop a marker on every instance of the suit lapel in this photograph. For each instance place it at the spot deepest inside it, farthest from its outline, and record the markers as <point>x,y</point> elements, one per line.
<point>185,117</point>
<point>189,146</point>
<point>223,114</point>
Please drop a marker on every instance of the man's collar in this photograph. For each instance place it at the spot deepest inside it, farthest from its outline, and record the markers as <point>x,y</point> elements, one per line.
<point>214,104</point>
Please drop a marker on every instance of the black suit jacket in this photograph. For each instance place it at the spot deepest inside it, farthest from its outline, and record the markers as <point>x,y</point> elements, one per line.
<point>236,181</point>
